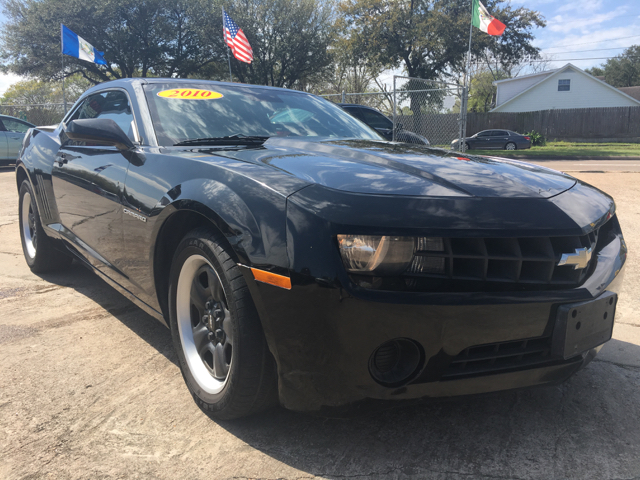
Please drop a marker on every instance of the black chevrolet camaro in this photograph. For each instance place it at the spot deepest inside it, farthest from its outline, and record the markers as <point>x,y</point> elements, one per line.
<point>298,257</point>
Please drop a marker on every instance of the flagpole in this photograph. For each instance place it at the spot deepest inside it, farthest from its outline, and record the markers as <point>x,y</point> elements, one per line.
<point>64,98</point>
<point>465,88</point>
<point>224,32</point>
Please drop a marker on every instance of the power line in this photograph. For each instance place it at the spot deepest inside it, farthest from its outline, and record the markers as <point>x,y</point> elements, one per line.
<point>596,41</point>
<point>572,59</point>
<point>592,50</point>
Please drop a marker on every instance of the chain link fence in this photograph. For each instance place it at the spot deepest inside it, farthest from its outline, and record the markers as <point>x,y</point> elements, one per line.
<point>425,107</point>
<point>382,101</point>
<point>417,105</point>
<point>38,114</point>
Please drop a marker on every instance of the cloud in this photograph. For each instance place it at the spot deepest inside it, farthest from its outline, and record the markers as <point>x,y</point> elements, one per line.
<point>582,6</point>
<point>7,80</point>
<point>564,23</point>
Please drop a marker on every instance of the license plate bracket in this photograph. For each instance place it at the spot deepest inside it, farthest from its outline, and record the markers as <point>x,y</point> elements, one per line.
<point>583,325</point>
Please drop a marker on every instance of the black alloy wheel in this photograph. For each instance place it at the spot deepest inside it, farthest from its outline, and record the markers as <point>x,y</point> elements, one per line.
<point>217,334</point>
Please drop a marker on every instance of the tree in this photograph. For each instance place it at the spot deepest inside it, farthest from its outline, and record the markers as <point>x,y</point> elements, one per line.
<point>429,38</point>
<point>351,73</point>
<point>290,40</point>
<point>621,71</point>
<point>30,92</point>
<point>482,92</point>
<point>595,71</point>
<point>170,38</point>
<point>139,38</point>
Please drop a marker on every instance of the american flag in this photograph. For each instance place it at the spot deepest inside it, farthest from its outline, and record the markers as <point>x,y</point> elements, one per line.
<point>236,40</point>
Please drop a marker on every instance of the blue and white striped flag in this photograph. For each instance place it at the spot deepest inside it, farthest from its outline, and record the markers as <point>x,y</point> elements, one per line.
<point>78,47</point>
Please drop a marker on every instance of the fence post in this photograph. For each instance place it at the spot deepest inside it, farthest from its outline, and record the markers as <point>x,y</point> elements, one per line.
<point>343,97</point>
<point>465,94</point>
<point>393,134</point>
<point>463,120</point>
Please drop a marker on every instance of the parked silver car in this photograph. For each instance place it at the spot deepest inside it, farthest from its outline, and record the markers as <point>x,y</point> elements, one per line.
<point>12,132</point>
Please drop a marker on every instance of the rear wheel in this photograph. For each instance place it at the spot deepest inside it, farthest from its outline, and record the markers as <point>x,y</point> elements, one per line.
<point>216,331</point>
<point>38,249</point>
<point>510,146</point>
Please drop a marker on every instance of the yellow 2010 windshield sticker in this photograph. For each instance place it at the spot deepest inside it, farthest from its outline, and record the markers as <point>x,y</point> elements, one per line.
<point>190,94</point>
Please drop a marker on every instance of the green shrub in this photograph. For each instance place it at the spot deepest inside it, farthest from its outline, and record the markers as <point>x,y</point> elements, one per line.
<point>537,140</point>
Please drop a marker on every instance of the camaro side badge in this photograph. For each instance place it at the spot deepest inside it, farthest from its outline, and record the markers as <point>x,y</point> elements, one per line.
<point>138,216</point>
<point>580,259</point>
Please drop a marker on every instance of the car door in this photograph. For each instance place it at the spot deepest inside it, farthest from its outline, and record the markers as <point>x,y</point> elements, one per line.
<point>88,183</point>
<point>498,139</point>
<point>376,120</point>
<point>3,142</point>
<point>481,140</point>
<point>355,111</point>
<point>15,130</point>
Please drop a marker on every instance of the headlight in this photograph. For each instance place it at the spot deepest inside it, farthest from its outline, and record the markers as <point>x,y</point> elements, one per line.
<point>374,254</point>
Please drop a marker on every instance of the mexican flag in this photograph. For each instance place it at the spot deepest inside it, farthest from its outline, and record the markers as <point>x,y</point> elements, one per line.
<point>484,21</point>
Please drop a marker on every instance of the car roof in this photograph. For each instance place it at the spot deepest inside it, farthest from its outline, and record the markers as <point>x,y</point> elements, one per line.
<point>15,118</point>
<point>123,82</point>
<point>498,130</point>
<point>357,105</point>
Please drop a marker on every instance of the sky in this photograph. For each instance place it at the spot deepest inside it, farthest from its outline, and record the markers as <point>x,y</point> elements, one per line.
<point>578,31</point>
<point>582,31</point>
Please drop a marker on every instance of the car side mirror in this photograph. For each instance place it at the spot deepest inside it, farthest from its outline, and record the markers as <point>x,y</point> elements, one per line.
<point>99,130</point>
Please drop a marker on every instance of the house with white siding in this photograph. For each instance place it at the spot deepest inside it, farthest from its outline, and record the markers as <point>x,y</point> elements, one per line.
<point>566,87</point>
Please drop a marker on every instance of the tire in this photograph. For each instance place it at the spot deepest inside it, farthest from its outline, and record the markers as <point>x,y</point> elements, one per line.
<point>217,334</point>
<point>510,146</point>
<point>38,248</point>
<point>466,146</point>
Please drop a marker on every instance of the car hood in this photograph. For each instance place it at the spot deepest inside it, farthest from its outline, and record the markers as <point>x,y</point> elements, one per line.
<point>376,167</point>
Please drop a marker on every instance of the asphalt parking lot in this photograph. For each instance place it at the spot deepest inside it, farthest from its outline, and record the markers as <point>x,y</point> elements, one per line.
<point>89,388</point>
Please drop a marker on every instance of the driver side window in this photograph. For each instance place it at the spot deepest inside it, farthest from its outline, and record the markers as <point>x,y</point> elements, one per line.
<point>112,104</point>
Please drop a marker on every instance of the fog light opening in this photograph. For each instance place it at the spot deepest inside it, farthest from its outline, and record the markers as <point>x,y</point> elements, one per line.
<point>396,362</point>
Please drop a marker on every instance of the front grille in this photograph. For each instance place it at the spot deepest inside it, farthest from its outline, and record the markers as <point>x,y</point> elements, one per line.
<point>524,260</point>
<point>495,357</point>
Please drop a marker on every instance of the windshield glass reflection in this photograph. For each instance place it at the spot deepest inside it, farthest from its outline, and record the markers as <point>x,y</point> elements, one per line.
<point>179,115</point>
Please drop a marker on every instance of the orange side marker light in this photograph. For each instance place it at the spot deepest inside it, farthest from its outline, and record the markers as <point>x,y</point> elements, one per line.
<point>271,278</point>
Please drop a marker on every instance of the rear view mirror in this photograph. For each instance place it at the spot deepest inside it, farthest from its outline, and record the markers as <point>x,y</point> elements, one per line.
<point>99,130</point>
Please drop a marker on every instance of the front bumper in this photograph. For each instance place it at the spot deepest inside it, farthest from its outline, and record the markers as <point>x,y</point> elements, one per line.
<point>323,339</point>
<point>323,332</point>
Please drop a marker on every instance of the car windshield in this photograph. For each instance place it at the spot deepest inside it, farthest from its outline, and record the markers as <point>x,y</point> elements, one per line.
<point>181,112</point>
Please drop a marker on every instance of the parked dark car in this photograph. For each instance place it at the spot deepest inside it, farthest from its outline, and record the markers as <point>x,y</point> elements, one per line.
<point>12,132</point>
<point>382,124</point>
<point>495,139</point>
<point>298,257</point>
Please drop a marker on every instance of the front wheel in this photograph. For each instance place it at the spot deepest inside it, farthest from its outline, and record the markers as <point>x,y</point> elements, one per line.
<point>510,146</point>
<point>38,248</point>
<point>216,330</point>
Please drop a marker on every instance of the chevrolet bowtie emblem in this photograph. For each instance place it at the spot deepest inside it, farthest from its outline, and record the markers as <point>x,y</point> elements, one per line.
<point>579,259</point>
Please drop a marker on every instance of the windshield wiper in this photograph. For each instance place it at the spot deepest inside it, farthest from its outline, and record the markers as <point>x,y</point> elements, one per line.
<point>237,139</point>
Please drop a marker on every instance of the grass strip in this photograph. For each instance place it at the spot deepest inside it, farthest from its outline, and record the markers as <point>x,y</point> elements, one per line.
<point>568,150</point>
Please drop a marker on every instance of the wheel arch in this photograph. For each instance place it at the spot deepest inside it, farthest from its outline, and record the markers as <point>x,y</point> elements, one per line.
<point>21,175</point>
<point>175,226</point>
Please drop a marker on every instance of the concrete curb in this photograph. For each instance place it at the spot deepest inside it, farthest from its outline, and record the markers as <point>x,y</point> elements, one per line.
<point>565,159</point>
